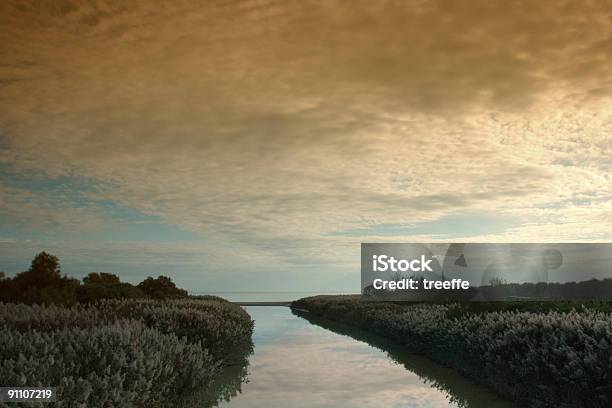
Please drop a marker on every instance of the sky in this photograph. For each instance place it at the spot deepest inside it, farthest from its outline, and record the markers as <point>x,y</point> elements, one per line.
<point>252,145</point>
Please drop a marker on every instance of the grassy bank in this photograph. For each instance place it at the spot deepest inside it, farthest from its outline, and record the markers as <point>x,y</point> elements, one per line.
<point>538,355</point>
<point>122,353</point>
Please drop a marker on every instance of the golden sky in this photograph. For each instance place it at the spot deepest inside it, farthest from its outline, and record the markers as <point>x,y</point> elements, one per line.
<point>285,133</point>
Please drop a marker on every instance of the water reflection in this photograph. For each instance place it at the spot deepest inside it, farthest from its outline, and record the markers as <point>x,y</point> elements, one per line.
<point>308,362</point>
<point>227,386</point>
<point>459,390</point>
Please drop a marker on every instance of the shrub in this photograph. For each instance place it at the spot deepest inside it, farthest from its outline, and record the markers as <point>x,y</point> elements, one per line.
<point>220,326</point>
<point>122,364</point>
<point>538,359</point>
<point>91,292</point>
<point>121,353</point>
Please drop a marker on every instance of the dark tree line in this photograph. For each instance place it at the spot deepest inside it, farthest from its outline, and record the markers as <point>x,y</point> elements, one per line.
<point>44,283</point>
<point>589,290</point>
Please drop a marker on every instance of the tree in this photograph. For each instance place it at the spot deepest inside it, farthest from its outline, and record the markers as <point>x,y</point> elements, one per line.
<point>5,286</point>
<point>161,287</point>
<point>103,285</point>
<point>42,283</point>
<point>44,272</point>
<point>94,291</point>
<point>101,277</point>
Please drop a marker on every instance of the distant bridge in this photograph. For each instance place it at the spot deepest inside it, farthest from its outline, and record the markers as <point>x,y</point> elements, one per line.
<point>263,303</point>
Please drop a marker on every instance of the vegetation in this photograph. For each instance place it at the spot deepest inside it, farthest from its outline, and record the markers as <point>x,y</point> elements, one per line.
<point>549,356</point>
<point>43,283</point>
<point>457,389</point>
<point>161,288</point>
<point>498,289</point>
<point>122,353</point>
<point>107,343</point>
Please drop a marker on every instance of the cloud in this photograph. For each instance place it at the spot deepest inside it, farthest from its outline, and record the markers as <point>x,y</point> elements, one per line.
<point>269,125</point>
<point>36,212</point>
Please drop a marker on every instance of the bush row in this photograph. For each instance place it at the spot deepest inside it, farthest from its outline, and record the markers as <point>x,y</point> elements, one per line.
<point>122,364</point>
<point>538,359</point>
<point>120,353</point>
<point>43,283</point>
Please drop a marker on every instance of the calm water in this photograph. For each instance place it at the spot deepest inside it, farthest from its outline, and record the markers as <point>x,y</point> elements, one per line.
<point>310,362</point>
<point>266,296</point>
